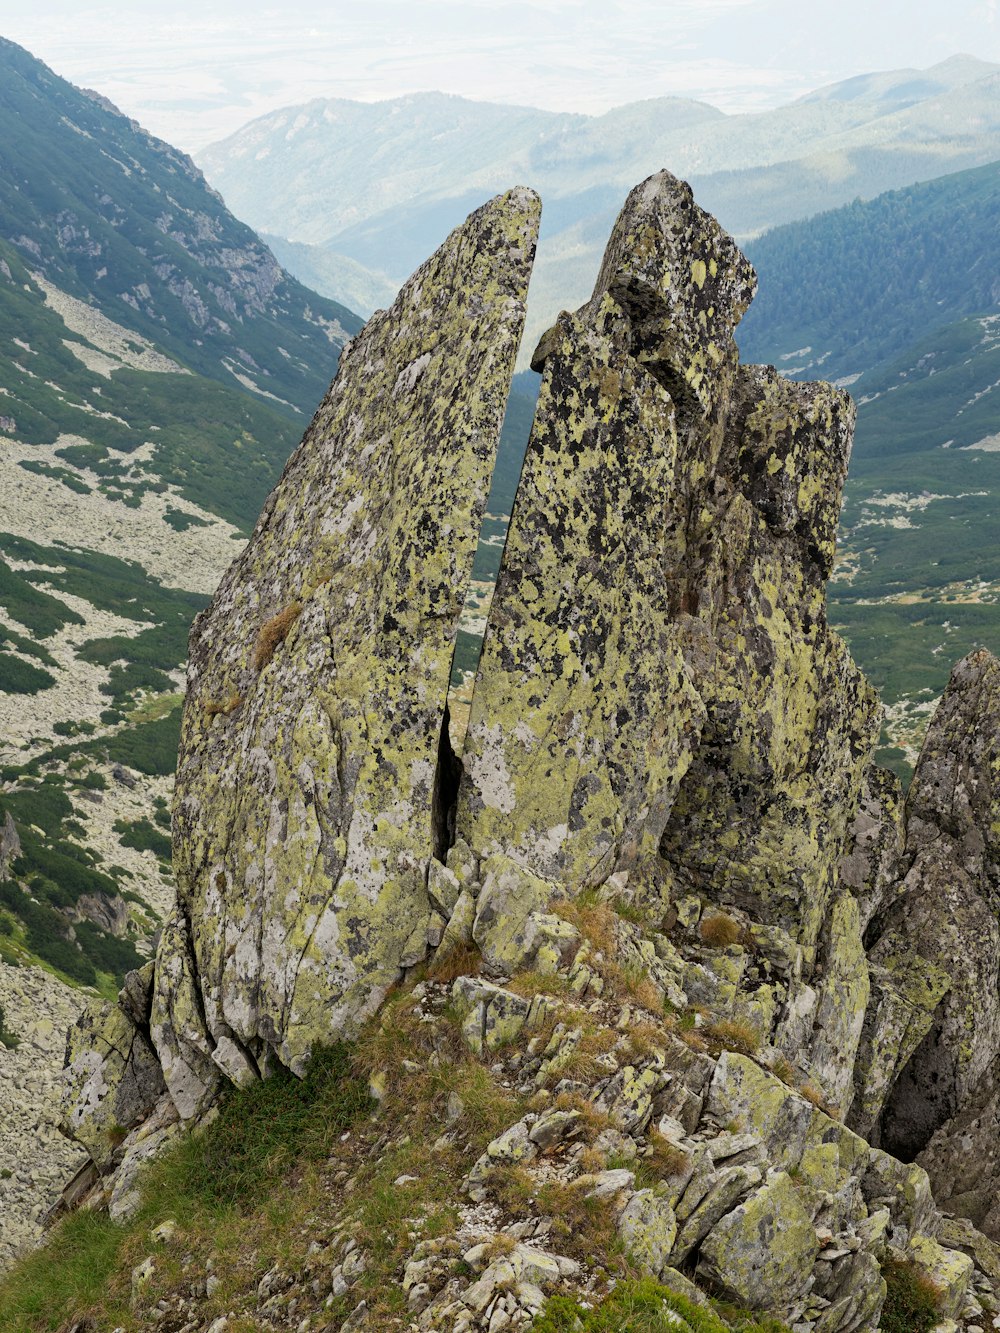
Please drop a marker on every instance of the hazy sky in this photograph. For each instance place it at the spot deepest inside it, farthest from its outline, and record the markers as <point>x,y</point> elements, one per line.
<point>195,72</point>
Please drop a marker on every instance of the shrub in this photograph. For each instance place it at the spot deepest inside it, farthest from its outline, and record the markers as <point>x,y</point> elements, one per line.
<point>720,931</point>
<point>912,1299</point>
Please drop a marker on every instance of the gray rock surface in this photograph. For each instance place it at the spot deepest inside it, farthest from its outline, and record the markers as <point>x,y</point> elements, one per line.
<point>307,809</point>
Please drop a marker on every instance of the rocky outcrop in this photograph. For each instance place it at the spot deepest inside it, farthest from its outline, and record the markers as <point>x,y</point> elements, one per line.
<point>939,942</point>
<point>10,845</point>
<point>309,788</point>
<point>693,911</point>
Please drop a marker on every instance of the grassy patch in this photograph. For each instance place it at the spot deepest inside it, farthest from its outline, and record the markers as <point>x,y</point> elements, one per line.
<point>205,1183</point>
<point>641,1306</point>
<point>912,1299</point>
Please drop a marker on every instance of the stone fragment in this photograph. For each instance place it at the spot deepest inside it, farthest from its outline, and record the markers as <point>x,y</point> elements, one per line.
<point>112,1079</point>
<point>761,1104</point>
<point>493,1016</point>
<point>843,989</point>
<point>648,1227</point>
<point>949,1270</point>
<point>308,806</point>
<point>512,928</point>
<point>870,865</point>
<point>719,1194</point>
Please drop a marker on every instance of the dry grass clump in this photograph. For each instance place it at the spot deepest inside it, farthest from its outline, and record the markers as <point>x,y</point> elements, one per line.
<point>815,1095</point>
<point>583,1227</point>
<point>595,921</point>
<point>228,705</point>
<point>733,1034</point>
<point>274,632</point>
<point>464,960</point>
<point>530,984</point>
<point>642,1040</point>
<point>592,1118</point>
<point>581,1062</point>
<point>666,1158</point>
<point>783,1068</point>
<point>719,931</point>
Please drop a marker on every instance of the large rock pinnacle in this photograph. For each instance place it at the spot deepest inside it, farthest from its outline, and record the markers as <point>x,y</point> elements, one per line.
<point>318,680</point>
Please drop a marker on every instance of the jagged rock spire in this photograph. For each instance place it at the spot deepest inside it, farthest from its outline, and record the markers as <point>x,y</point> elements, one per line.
<point>317,682</point>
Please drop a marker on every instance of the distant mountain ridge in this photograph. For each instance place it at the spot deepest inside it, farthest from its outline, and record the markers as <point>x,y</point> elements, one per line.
<point>377,184</point>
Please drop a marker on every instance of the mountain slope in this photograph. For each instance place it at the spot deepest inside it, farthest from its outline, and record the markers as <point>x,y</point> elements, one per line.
<point>899,298</point>
<point>157,367</point>
<point>126,223</point>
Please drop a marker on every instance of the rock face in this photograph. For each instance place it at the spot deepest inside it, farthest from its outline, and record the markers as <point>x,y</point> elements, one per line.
<point>940,944</point>
<point>666,835</point>
<point>309,784</point>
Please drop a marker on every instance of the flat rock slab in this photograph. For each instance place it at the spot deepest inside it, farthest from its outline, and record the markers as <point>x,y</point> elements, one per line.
<point>319,675</point>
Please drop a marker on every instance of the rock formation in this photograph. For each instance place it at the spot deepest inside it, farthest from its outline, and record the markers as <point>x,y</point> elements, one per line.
<point>666,818</point>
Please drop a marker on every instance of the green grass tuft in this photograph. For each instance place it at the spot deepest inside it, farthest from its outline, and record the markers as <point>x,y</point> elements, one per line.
<point>912,1300</point>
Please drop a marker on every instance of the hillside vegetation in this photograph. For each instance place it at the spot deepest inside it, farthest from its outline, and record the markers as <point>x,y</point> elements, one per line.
<point>157,367</point>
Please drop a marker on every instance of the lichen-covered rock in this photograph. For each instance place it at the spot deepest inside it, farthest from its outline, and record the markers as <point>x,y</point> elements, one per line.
<point>512,927</point>
<point>869,868</point>
<point>583,718</point>
<point>932,1032</point>
<point>648,1227</point>
<point>843,989</point>
<point>112,1078</point>
<point>762,1253</point>
<point>309,792</point>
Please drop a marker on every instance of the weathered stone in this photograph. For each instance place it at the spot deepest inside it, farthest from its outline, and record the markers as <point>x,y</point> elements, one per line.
<point>306,792</point>
<point>10,845</point>
<point>583,718</point>
<point>943,925</point>
<point>762,1253</point>
<point>512,927</point>
<point>724,1189</point>
<point>904,1188</point>
<point>870,865</point>
<point>843,990</point>
<point>949,1270</point>
<point>112,1079</point>
<point>648,1227</point>
<point>684,285</point>
<point>493,1016</point>
<point>744,1094</point>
